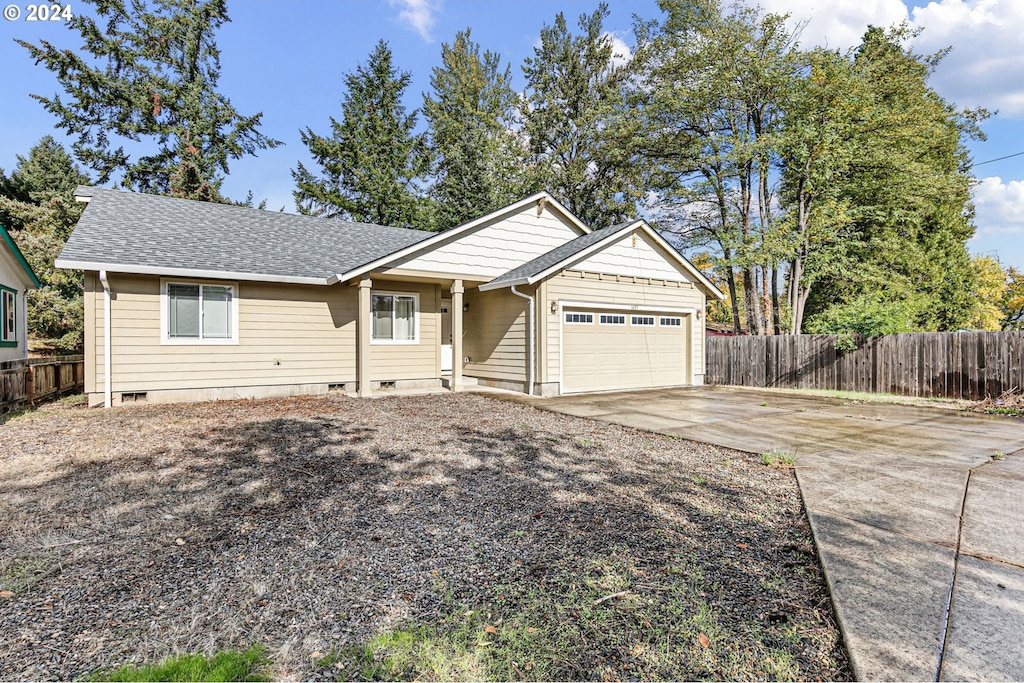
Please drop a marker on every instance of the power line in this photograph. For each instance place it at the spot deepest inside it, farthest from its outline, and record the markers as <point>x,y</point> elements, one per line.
<point>1009,156</point>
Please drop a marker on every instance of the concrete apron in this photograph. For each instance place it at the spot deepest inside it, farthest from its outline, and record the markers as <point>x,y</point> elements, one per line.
<point>918,526</point>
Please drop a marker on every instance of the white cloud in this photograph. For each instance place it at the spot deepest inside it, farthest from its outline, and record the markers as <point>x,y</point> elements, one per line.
<point>837,24</point>
<point>987,59</point>
<point>419,15</point>
<point>621,54</point>
<point>999,206</point>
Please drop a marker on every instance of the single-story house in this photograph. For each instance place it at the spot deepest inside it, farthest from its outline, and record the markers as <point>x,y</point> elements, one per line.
<point>187,300</point>
<point>16,279</point>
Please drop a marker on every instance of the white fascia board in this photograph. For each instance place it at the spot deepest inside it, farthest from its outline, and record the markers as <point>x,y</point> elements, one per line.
<point>454,233</point>
<point>190,272</point>
<point>687,266</point>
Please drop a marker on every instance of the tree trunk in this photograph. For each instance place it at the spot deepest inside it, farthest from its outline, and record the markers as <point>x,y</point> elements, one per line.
<point>733,301</point>
<point>776,314</point>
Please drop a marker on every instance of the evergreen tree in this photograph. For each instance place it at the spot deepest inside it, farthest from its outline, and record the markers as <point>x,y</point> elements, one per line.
<point>573,120</point>
<point>147,75</point>
<point>905,189</point>
<point>470,112</point>
<point>372,161</point>
<point>37,205</point>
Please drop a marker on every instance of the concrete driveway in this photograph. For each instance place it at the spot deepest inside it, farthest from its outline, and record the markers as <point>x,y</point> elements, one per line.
<point>918,515</point>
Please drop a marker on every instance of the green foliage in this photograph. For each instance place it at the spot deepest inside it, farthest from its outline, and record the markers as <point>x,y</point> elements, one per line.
<point>897,261</point>
<point>372,162</point>
<point>147,74</point>
<point>708,107</point>
<point>229,665</point>
<point>478,160</point>
<point>37,205</point>
<point>575,123</point>
<point>1012,302</point>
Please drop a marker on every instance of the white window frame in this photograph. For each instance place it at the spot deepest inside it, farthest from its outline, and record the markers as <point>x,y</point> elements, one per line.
<point>415,320</point>
<point>167,340</point>
<point>605,319</point>
<point>8,309</point>
<point>678,321</point>
<point>633,320</point>
<point>565,318</point>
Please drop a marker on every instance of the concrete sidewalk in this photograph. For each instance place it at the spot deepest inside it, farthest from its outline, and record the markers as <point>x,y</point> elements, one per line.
<point>918,515</point>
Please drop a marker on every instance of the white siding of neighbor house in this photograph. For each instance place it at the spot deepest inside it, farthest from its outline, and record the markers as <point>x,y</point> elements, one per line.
<point>497,246</point>
<point>620,290</point>
<point>13,276</point>
<point>637,255</point>
<point>287,335</point>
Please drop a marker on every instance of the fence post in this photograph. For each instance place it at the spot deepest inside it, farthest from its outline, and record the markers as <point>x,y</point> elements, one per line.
<point>30,383</point>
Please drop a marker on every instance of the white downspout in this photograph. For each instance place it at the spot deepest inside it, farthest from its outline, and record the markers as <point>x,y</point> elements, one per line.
<point>106,339</point>
<point>529,331</point>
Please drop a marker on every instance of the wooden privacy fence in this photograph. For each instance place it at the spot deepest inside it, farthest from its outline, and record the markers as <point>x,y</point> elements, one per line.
<point>36,379</point>
<point>969,365</point>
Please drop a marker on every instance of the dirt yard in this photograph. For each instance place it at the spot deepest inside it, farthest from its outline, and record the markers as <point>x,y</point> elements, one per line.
<point>558,547</point>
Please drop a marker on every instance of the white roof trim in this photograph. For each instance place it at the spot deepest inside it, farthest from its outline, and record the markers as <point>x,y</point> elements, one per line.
<point>601,244</point>
<point>453,233</point>
<point>191,272</point>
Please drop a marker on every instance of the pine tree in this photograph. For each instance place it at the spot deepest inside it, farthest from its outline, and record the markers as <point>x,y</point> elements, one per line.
<point>574,107</point>
<point>372,161</point>
<point>147,76</point>
<point>469,113</point>
<point>37,205</point>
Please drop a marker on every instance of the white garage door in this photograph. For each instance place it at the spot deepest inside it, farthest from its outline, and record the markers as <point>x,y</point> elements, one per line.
<point>607,349</point>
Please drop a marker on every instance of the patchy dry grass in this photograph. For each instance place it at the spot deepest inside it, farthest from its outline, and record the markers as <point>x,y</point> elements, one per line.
<point>434,538</point>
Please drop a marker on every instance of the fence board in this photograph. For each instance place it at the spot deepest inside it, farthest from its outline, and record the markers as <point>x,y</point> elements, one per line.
<point>35,379</point>
<point>970,365</point>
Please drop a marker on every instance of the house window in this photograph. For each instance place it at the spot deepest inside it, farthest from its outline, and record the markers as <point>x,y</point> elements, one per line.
<point>671,321</point>
<point>642,320</point>
<point>612,319</point>
<point>579,318</point>
<point>200,313</point>
<point>8,316</point>
<point>394,318</point>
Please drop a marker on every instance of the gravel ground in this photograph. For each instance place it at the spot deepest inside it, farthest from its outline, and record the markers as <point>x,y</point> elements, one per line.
<point>313,523</point>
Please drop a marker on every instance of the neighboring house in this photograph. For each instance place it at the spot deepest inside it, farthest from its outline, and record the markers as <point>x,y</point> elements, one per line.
<point>190,301</point>
<point>720,329</point>
<point>16,279</point>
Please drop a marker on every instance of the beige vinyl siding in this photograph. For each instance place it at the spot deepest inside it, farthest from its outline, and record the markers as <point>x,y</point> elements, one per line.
<point>619,290</point>
<point>637,255</point>
<point>287,334</point>
<point>497,246</point>
<point>410,361</point>
<point>494,333</point>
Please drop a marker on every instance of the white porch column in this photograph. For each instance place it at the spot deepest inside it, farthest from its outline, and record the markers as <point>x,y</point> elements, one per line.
<point>363,326</point>
<point>457,299</point>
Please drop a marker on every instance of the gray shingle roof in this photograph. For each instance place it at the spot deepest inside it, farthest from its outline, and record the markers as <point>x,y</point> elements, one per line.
<point>531,269</point>
<point>150,232</point>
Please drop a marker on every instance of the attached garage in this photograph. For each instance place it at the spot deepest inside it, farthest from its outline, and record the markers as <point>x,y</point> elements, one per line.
<point>607,349</point>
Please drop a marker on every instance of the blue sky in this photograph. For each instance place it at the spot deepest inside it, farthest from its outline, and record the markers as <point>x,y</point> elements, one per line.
<point>287,59</point>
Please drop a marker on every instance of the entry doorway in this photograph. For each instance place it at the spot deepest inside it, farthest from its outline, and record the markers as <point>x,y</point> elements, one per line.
<point>446,336</point>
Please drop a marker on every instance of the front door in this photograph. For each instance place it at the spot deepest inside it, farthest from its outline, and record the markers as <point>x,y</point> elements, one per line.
<point>446,336</point>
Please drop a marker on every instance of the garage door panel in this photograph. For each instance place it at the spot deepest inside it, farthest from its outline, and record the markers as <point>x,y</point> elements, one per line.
<point>600,357</point>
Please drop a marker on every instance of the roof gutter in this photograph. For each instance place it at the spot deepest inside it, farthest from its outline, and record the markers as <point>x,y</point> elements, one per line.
<point>533,337</point>
<point>191,272</point>
<point>106,339</point>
